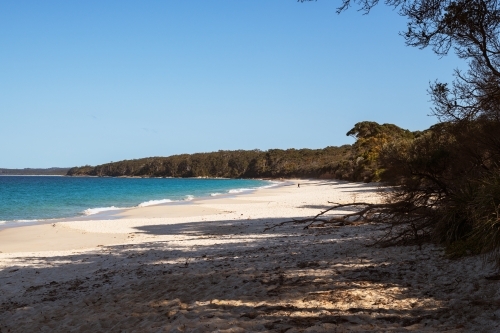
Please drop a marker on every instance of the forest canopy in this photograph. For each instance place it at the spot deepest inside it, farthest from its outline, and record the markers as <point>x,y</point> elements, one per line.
<point>358,162</point>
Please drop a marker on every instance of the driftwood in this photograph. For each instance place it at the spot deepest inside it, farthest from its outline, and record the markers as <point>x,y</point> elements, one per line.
<point>404,223</point>
<point>368,213</point>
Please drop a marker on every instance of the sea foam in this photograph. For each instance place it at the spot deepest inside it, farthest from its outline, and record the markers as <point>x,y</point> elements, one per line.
<point>273,184</point>
<point>153,202</point>
<point>22,221</point>
<point>65,197</point>
<point>92,211</point>
<point>239,190</point>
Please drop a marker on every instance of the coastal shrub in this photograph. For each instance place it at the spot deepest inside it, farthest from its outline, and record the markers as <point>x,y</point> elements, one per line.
<point>448,178</point>
<point>472,220</point>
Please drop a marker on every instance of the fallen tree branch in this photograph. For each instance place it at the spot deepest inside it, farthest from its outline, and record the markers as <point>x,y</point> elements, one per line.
<point>369,212</point>
<point>406,222</point>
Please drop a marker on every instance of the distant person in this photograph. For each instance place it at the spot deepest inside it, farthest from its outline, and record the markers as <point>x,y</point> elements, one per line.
<point>298,185</point>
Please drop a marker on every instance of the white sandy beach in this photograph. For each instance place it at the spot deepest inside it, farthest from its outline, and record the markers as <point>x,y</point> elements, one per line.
<point>207,266</point>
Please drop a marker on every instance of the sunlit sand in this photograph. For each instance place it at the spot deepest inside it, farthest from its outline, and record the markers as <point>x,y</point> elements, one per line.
<point>208,266</point>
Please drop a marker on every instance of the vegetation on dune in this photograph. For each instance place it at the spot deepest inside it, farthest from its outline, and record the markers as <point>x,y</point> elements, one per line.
<point>444,181</point>
<point>449,180</point>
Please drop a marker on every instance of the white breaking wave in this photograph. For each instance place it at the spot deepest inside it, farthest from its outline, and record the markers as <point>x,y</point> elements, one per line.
<point>92,211</point>
<point>28,221</point>
<point>273,184</point>
<point>239,190</point>
<point>153,202</point>
<point>25,221</point>
<point>162,201</point>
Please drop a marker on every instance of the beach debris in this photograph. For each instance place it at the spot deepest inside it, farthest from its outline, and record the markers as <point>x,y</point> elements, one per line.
<point>369,212</point>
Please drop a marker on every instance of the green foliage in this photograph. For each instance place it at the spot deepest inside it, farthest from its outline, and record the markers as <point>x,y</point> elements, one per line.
<point>358,162</point>
<point>452,173</point>
<point>472,219</point>
<point>275,163</point>
<point>371,138</point>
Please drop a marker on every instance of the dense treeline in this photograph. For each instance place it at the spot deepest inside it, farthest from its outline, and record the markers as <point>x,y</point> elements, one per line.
<point>358,162</point>
<point>275,163</point>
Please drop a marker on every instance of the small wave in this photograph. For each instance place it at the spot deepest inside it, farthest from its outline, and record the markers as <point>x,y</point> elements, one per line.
<point>273,184</point>
<point>153,202</point>
<point>21,221</point>
<point>215,194</point>
<point>28,221</point>
<point>92,211</point>
<point>239,190</point>
<point>189,197</point>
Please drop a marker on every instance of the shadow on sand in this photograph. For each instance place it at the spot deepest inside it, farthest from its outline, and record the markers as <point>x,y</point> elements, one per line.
<point>229,275</point>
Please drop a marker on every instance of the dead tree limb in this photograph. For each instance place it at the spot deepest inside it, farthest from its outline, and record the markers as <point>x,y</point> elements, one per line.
<point>369,212</point>
<point>406,223</point>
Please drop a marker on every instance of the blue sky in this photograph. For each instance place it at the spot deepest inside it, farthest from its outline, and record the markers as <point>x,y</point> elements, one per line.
<point>88,82</point>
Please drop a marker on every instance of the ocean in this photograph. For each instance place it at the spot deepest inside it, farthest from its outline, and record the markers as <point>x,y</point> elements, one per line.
<point>35,198</point>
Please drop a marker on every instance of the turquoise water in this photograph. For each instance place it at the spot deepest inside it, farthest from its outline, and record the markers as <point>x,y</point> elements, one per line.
<point>27,198</point>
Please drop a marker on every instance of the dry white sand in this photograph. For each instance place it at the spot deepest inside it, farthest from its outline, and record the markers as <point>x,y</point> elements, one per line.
<point>209,267</point>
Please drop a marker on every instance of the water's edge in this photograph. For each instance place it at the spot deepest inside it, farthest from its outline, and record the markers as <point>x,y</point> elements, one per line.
<point>112,214</point>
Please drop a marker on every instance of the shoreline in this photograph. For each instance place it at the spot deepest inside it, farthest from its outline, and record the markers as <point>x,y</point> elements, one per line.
<point>34,236</point>
<point>210,267</point>
<point>112,212</point>
<point>40,233</point>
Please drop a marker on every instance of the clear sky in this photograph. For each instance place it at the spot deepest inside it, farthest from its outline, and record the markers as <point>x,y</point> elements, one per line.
<point>89,82</point>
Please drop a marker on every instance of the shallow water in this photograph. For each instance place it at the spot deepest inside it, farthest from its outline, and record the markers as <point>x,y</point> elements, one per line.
<point>29,198</point>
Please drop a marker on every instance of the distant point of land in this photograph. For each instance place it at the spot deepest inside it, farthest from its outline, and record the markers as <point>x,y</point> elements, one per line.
<point>34,171</point>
